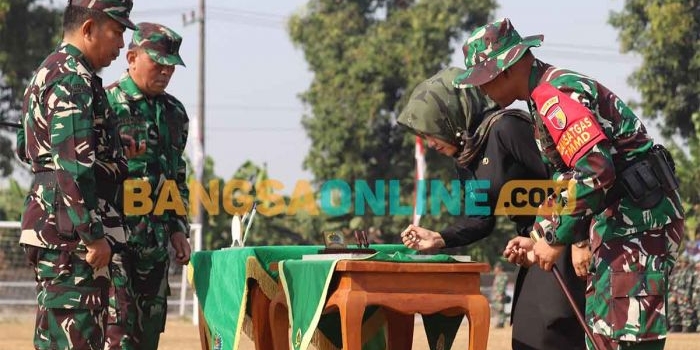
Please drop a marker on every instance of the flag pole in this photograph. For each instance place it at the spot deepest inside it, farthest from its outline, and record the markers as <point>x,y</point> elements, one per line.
<point>420,176</point>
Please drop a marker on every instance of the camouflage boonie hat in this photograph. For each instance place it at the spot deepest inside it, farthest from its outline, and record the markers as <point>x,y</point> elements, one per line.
<point>117,9</point>
<point>490,50</point>
<point>161,43</point>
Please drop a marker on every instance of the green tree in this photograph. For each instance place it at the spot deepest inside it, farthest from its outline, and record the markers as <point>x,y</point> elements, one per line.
<point>666,34</point>
<point>12,201</point>
<point>279,229</point>
<point>687,165</point>
<point>366,57</point>
<point>28,32</point>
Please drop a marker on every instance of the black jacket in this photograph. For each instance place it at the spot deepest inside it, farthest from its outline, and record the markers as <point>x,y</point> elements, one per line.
<point>541,316</point>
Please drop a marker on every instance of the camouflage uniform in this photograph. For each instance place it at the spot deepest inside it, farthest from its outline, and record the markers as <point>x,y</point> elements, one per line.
<point>694,303</point>
<point>586,132</point>
<point>676,294</point>
<point>161,121</point>
<point>68,139</point>
<point>498,295</point>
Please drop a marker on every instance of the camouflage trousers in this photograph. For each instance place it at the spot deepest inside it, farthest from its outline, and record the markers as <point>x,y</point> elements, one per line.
<point>138,298</point>
<point>72,300</point>
<point>627,290</point>
<point>499,310</point>
<point>122,314</point>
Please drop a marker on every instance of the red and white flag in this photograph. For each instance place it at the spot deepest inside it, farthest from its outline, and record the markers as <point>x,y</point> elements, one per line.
<point>420,176</point>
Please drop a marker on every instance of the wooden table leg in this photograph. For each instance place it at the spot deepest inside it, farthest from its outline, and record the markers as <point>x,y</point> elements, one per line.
<point>279,321</point>
<point>204,336</point>
<point>399,329</point>
<point>351,306</point>
<point>260,315</point>
<point>479,315</point>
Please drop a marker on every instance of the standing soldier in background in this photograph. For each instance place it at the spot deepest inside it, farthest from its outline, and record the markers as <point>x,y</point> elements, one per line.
<point>685,301</point>
<point>69,226</point>
<point>146,113</point>
<point>693,278</point>
<point>676,294</point>
<point>499,298</point>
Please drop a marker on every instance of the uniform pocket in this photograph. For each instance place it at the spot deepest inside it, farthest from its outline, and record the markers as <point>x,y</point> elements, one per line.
<point>64,224</point>
<point>637,304</point>
<point>63,296</point>
<point>68,282</point>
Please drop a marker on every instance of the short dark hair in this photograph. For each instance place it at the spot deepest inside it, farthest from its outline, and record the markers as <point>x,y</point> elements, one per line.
<point>75,16</point>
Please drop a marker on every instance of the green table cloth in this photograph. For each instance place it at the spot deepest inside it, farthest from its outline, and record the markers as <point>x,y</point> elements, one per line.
<point>306,283</point>
<point>220,281</point>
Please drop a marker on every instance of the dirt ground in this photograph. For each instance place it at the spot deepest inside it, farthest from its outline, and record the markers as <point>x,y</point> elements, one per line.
<point>182,335</point>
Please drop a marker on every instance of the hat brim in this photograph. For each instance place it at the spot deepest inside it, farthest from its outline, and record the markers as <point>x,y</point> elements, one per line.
<point>123,21</point>
<point>485,71</point>
<point>168,60</point>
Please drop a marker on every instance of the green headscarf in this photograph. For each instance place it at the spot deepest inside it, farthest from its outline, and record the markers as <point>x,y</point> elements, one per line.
<point>460,116</point>
<point>437,109</point>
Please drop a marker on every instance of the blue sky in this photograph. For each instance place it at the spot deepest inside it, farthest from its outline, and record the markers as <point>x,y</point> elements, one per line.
<point>254,74</point>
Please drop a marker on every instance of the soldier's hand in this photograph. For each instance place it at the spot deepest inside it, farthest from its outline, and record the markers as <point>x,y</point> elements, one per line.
<point>131,148</point>
<point>98,254</point>
<point>547,254</point>
<point>421,239</point>
<point>517,250</point>
<point>181,246</point>
<point>581,260</point>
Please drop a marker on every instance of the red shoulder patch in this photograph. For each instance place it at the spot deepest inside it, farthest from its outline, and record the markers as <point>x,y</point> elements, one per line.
<point>573,127</point>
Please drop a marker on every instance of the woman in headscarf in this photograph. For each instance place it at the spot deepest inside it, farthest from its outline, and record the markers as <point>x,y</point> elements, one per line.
<point>495,145</point>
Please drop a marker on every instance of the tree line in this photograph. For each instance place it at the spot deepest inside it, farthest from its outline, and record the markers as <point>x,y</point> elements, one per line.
<point>366,57</point>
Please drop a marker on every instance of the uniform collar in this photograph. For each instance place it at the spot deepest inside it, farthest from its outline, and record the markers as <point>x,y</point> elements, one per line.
<point>130,88</point>
<point>536,71</point>
<point>75,52</point>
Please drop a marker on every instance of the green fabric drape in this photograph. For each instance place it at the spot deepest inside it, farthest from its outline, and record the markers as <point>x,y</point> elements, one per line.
<point>306,286</point>
<point>220,280</point>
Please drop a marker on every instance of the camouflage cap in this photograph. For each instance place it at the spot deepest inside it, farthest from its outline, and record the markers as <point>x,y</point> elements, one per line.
<point>117,9</point>
<point>490,50</point>
<point>161,43</point>
<point>438,109</point>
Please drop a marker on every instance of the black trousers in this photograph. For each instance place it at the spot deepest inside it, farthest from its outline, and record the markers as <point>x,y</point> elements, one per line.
<point>542,318</point>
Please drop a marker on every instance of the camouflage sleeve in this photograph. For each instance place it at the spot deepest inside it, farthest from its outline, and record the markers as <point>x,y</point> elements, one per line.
<point>69,107</point>
<point>111,164</point>
<point>114,170</point>
<point>180,223</point>
<point>590,176</point>
<point>22,143</point>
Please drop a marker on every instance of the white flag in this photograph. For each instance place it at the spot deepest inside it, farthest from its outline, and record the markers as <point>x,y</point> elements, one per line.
<point>418,199</point>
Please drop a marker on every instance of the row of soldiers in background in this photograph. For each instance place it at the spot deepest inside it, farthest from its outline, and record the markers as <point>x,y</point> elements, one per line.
<point>684,296</point>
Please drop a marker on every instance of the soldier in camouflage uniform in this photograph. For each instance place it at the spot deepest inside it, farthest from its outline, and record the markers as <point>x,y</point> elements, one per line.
<point>498,294</point>
<point>693,277</point>
<point>146,113</point>
<point>677,294</point>
<point>622,189</point>
<point>70,226</point>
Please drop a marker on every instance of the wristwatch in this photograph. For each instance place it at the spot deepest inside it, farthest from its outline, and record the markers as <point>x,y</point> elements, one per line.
<point>582,244</point>
<point>550,237</point>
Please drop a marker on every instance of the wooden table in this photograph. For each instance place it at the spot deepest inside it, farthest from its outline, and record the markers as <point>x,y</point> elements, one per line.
<point>402,289</point>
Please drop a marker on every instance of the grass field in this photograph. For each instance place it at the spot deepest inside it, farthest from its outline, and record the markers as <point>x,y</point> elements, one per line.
<point>16,333</point>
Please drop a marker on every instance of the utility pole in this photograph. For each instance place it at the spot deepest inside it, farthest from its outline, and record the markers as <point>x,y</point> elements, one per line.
<point>199,154</point>
<point>199,147</point>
